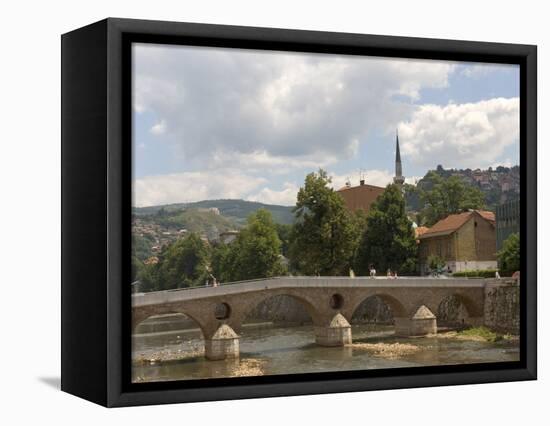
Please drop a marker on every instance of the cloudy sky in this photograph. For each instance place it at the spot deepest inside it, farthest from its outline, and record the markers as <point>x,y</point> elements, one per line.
<point>212,123</point>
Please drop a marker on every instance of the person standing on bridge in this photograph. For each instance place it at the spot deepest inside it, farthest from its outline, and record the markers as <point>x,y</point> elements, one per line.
<point>214,281</point>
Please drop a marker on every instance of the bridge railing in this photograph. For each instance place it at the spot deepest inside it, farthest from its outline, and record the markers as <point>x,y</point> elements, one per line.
<point>298,278</point>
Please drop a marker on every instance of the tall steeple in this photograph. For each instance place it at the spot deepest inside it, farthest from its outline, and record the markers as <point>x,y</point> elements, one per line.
<point>398,179</point>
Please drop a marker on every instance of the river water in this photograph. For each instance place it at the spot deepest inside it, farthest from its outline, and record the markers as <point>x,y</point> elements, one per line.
<point>168,348</point>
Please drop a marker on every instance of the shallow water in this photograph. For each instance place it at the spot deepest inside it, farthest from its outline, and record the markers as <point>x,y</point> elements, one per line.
<point>267,349</point>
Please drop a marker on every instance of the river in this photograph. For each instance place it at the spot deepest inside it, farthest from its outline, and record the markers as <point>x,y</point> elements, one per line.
<point>168,348</point>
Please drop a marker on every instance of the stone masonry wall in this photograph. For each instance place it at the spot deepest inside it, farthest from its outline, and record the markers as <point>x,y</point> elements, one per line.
<point>282,310</point>
<point>373,310</point>
<point>502,306</point>
<point>285,310</point>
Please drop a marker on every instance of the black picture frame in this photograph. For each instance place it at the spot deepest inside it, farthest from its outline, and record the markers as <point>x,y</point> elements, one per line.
<point>96,211</point>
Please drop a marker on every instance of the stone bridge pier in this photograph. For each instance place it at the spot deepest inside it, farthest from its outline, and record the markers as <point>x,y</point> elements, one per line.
<point>330,302</point>
<point>223,344</point>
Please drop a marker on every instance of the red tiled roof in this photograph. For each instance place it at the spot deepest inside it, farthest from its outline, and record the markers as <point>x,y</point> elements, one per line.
<point>490,216</point>
<point>454,221</point>
<point>363,187</point>
<point>420,230</point>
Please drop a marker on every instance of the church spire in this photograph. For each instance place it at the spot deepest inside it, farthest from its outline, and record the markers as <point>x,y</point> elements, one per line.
<point>398,178</point>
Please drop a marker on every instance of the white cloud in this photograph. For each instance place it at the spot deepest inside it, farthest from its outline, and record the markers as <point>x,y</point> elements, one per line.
<point>193,186</point>
<point>460,135</point>
<point>413,180</point>
<point>285,197</point>
<point>264,162</point>
<point>308,106</point>
<point>239,116</point>
<point>372,177</point>
<point>159,128</point>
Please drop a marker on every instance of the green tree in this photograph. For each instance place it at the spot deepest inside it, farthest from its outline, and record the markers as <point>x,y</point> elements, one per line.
<point>283,232</point>
<point>137,266</point>
<point>412,193</point>
<point>148,278</point>
<point>322,239</point>
<point>184,263</point>
<point>509,256</point>
<point>224,262</point>
<point>255,253</point>
<point>141,246</point>
<point>359,220</point>
<point>259,247</point>
<point>388,241</point>
<point>435,263</point>
<point>448,196</point>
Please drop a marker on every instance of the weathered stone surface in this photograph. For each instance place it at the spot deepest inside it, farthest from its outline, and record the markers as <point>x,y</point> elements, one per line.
<point>422,323</point>
<point>338,332</point>
<point>423,313</point>
<point>501,311</point>
<point>452,313</point>
<point>373,310</point>
<point>223,344</point>
<point>282,310</point>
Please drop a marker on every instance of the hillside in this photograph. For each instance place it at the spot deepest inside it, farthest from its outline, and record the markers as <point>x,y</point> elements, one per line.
<point>157,226</point>
<point>235,210</point>
<point>165,227</point>
<point>498,185</point>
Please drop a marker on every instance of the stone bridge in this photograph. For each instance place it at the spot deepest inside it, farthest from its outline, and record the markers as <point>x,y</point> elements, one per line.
<point>330,301</point>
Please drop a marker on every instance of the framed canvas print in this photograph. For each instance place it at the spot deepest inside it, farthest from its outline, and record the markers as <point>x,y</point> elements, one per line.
<point>253,212</point>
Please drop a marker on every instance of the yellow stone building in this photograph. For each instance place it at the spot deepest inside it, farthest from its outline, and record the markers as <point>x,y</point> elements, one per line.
<point>465,241</point>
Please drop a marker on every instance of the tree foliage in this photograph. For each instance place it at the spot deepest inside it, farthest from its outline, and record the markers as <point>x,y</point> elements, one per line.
<point>141,246</point>
<point>448,196</point>
<point>255,253</point>
<point>509,256</point>
<point>388,242</point>
<point>283,232</point>
<point>184,263</point>
<point>148,278</point>
<point>322,239</point>
<point>435,262</point>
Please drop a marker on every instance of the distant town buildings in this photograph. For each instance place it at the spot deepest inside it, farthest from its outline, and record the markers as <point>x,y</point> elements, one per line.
<point>465,241</point>
<point>499,185</point>
<point>156,235</point>
<point>507,221</point>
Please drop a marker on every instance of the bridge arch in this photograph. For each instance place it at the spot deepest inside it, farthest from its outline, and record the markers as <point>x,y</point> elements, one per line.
<point>455,308</point>
<point>142,314</point>
<point>395,305</point>
<point>243,315</point>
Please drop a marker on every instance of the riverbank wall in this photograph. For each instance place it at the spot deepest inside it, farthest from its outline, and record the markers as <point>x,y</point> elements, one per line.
<point>501,307</point>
